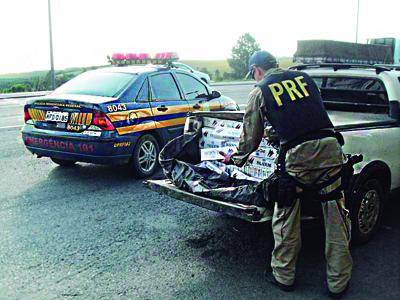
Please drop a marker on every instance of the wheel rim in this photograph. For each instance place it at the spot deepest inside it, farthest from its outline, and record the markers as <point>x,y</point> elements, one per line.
<point>147,156</point>
<point>369,211</point>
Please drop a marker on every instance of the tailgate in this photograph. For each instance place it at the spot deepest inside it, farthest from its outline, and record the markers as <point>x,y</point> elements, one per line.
<point>249,213</point>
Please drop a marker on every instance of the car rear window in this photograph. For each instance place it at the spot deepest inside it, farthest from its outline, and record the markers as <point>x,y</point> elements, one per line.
<point>97,84</point>
<point>365,93</point>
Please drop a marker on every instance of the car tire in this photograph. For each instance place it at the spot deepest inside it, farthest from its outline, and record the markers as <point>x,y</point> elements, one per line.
<point>144,160</point>
<point>366,206</point>
<point>63,162</point>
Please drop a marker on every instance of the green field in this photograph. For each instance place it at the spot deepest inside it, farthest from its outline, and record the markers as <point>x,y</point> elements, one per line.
<point>223,66</point>
<point>40,80</point>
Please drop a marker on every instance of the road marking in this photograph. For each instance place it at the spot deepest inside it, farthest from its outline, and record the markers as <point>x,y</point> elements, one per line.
<point>12,126</point>
<point>18,102</point>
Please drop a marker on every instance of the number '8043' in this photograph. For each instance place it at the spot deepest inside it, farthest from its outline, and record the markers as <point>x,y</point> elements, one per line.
<point>116,107</point>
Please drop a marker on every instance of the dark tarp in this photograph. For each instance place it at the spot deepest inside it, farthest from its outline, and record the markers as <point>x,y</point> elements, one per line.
<point>326,51</point>
<point>179,159</point>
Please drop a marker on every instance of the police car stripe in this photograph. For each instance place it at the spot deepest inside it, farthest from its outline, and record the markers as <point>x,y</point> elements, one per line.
<point>151,125</point>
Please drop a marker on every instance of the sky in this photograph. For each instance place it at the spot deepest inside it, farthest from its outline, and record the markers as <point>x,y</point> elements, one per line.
<point>86,31</point>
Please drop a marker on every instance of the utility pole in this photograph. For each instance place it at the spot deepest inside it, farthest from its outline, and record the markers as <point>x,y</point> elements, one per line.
<point>358,13</point>
<point>53,75</point>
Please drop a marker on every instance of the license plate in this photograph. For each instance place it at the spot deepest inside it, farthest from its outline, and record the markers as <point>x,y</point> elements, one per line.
<point>56,116</point>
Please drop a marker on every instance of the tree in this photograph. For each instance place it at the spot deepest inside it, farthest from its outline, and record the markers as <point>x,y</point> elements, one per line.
<point>217,76</point>
<point>241,52</point>
<point>19,87</point>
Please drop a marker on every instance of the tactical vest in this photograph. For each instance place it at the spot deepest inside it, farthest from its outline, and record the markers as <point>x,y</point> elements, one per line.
<point>293,105</point>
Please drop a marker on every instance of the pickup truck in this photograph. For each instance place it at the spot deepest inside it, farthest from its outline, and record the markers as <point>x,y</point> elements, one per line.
<point>363,104</point>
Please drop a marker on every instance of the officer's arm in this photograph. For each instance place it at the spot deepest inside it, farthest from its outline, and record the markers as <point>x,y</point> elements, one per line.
<point>253,127</point>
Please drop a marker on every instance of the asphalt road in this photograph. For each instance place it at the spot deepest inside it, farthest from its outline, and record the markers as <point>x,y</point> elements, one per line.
<point>94,232</point>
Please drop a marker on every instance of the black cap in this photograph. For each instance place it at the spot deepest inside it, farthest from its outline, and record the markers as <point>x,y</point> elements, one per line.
<point>261,59</point>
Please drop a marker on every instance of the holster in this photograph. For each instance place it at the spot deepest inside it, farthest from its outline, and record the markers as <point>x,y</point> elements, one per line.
<point>282,187</point>
<point>282,190</point>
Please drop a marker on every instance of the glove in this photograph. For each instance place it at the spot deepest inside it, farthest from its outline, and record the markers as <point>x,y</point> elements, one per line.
<point>227,158</point>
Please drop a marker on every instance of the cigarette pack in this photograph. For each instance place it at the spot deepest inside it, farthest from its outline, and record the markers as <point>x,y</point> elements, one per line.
<point>238,173</point>
<point>217,123</point>
<point>214,153</point>
<point>226,134</point>
<point>207,142</point>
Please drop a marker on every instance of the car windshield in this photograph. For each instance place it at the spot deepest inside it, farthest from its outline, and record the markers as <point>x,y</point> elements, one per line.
<point>97,84</point>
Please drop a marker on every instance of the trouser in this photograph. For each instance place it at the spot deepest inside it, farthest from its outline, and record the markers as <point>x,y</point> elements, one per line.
<point>286,230</point>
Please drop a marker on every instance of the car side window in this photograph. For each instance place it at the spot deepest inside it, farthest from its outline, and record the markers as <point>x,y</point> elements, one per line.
<point>164,88</point>
<point>143,95</point>
<point>192,88</point>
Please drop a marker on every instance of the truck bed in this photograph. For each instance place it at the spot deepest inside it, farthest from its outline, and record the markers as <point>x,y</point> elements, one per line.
<point>343,120</point>
<point>249,213</point>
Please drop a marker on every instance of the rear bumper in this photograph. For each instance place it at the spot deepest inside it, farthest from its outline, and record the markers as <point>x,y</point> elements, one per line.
<point>109,148</point>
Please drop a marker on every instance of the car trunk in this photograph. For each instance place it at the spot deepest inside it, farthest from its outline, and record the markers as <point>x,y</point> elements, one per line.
<point>71,113</point>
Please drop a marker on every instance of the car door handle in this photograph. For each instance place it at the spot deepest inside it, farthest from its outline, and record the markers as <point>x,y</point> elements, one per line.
<point>196,106</point>
<point>162,108</point>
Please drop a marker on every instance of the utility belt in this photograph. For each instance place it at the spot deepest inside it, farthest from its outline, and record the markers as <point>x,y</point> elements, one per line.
<point>284,188</point>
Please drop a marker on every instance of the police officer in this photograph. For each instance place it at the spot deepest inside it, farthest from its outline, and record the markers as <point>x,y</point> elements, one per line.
<point>290,102</point>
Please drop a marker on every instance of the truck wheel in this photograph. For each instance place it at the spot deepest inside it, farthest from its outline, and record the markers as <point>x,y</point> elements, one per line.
<point>366,204</point>
<point>63,162</point>
<point>145,157</point>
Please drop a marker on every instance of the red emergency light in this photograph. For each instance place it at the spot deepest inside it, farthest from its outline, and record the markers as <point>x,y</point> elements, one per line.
<point>143,58</point>
<point>131,56</point>
<point>118,56</point>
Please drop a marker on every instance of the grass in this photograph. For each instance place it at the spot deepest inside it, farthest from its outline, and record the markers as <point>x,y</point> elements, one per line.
<point>211,66</point>
<point>223,65</point>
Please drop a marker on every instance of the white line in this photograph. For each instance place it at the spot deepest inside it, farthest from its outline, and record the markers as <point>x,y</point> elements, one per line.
<point>12,126</point>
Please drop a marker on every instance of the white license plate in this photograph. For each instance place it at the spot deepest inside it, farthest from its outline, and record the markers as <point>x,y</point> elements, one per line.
<point>57,116</point>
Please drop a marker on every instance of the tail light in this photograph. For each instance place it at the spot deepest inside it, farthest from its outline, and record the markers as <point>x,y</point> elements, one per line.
<point>27,116</point>
<point>100,119</point>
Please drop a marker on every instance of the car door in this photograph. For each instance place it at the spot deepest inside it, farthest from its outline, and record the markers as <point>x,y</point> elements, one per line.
<point>196,93</point>
<point>168,107</point>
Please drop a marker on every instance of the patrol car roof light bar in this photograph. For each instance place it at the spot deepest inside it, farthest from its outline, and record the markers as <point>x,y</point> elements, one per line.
<point>165,58</point>
<point>335,67</point>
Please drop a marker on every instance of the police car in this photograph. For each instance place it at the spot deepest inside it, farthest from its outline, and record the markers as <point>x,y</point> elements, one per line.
<point>121,114</point>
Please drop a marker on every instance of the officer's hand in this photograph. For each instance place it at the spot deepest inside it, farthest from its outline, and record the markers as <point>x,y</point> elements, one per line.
<point>227,158</point>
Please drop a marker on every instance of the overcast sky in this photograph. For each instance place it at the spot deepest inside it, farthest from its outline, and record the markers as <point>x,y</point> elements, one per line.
<point>85,31</point>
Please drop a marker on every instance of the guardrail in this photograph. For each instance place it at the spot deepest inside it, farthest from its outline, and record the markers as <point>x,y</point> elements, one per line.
<point>24,95</point>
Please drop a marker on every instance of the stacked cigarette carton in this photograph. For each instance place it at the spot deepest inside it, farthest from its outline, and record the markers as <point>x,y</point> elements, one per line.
<point>222,136</point>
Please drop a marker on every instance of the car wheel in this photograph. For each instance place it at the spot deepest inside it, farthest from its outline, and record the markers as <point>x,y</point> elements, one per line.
<point>205,80</point>
<point>63,162</point>
<point>145,157</point>
<point>366,205</point>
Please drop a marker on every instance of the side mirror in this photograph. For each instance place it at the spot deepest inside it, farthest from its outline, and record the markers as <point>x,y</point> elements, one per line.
<point>215,94</point>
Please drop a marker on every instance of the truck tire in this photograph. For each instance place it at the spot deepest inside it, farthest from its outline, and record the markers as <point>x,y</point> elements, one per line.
<point>366,205</point>
<point>144,160</point>
<point>63,162</point>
